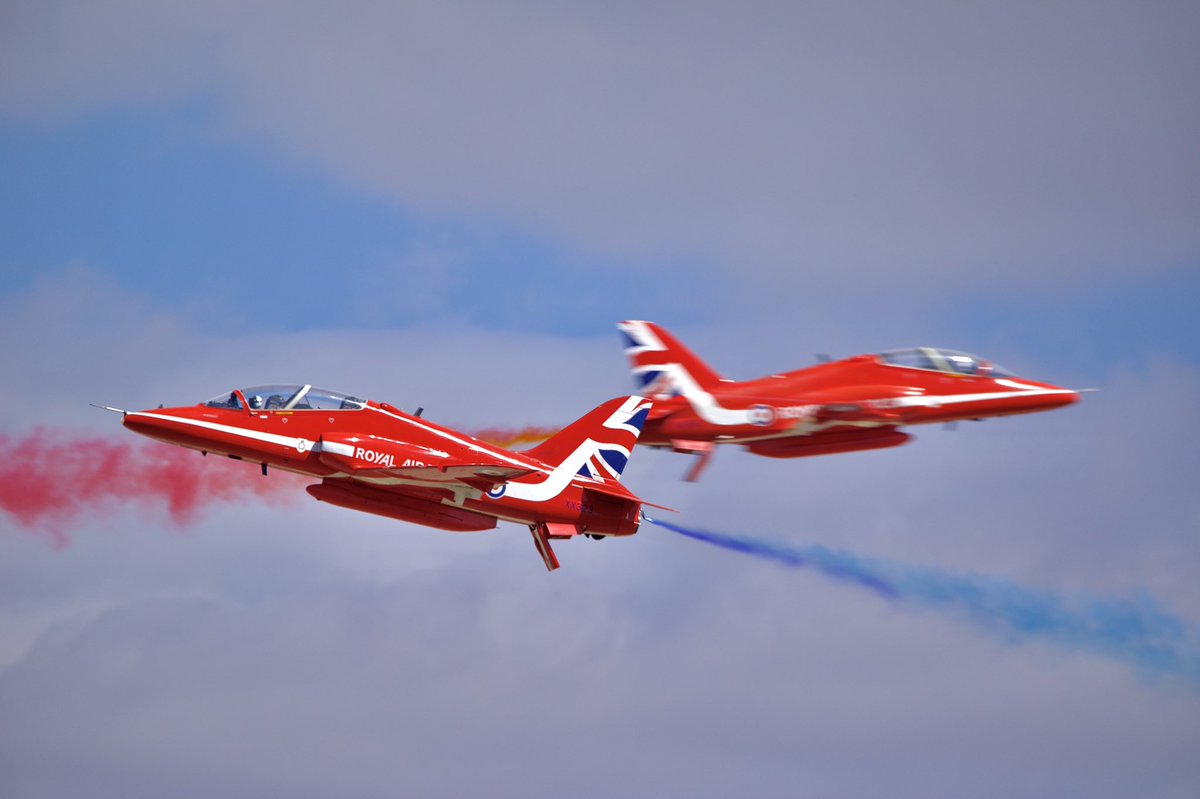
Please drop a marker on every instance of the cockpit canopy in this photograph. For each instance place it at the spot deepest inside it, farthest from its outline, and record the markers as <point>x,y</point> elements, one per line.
<point>287,398</point>
<point>947,361</point>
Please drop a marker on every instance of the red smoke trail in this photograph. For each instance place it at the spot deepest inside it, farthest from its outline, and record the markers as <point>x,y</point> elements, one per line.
<point>49,479</point>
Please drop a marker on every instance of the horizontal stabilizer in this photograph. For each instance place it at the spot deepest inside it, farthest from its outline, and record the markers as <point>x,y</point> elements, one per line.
<point>615,490</point>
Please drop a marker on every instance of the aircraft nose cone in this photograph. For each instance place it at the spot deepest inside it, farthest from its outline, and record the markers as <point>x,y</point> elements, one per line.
<point>138,421</point>
<point>1067,396</point>
<point>1049,396</point>
<point>139,424</point>
<point>1028,396</point>
<point>150,423</point>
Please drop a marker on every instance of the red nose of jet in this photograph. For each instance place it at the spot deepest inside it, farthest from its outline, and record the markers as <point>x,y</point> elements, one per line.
<point>1059,397</point>
<point>147,422</point>
<point>1033,396</point>
<point>157,424</point>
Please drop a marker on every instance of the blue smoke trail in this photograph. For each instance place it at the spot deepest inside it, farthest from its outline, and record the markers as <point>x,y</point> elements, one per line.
<point>1135,631</point>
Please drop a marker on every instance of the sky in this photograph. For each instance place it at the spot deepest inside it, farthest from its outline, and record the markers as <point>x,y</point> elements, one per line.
<point>450,205</point>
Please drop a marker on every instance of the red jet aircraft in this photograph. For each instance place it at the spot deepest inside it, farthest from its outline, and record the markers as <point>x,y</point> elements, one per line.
<point>843,406</point>
<point>376,458</point>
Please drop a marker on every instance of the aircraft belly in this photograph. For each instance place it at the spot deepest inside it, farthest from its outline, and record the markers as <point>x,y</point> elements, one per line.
<point>394,505</point>
<point>828,443</point>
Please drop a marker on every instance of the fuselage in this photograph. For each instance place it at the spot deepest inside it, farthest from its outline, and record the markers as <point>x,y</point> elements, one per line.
<point>374,457</point>
<point>860,399</point>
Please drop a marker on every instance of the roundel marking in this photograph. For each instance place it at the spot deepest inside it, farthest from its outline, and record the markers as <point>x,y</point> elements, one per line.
<point>761,415</point>
<point>498,491</point>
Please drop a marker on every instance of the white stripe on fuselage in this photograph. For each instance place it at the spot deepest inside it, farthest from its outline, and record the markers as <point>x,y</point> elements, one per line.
<point>704,404</point>
<point>936,400</point>
<point>562,475</point>
<point>255,435</point>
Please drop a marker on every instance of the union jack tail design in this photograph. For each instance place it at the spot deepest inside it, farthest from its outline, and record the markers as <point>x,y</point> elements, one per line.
<point>662,367</point>
<point>599,444</point>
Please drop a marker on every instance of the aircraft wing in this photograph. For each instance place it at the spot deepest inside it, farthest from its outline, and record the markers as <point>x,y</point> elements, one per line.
<point>617,491</point>
<point>854,406</point>
<point>384,462</point>
<point>812,412</point>
<point>481,476</point>
<point>853,413</point>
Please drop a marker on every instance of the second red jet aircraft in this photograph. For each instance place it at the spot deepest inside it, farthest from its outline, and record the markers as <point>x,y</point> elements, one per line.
<point>854,404</point>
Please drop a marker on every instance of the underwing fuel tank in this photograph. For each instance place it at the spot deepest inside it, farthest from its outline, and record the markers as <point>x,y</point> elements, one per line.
<point>829,443</point>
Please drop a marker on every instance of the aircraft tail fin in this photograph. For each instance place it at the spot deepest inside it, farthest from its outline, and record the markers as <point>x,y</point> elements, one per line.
<point>599,444</point>
<point>661,365</point>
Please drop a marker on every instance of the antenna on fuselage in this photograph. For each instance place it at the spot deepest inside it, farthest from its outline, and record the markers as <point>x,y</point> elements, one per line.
<point>420,411</point>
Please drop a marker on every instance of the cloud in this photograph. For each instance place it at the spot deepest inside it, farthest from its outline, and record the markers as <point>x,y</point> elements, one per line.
<point>804,160</point>
<point>767,145</point>
<point>84,318</point>
<point>300,675</point>
<point>306,650</point>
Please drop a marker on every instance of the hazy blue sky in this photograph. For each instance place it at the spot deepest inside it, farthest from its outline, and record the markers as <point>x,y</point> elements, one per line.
<point>450,204</point>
